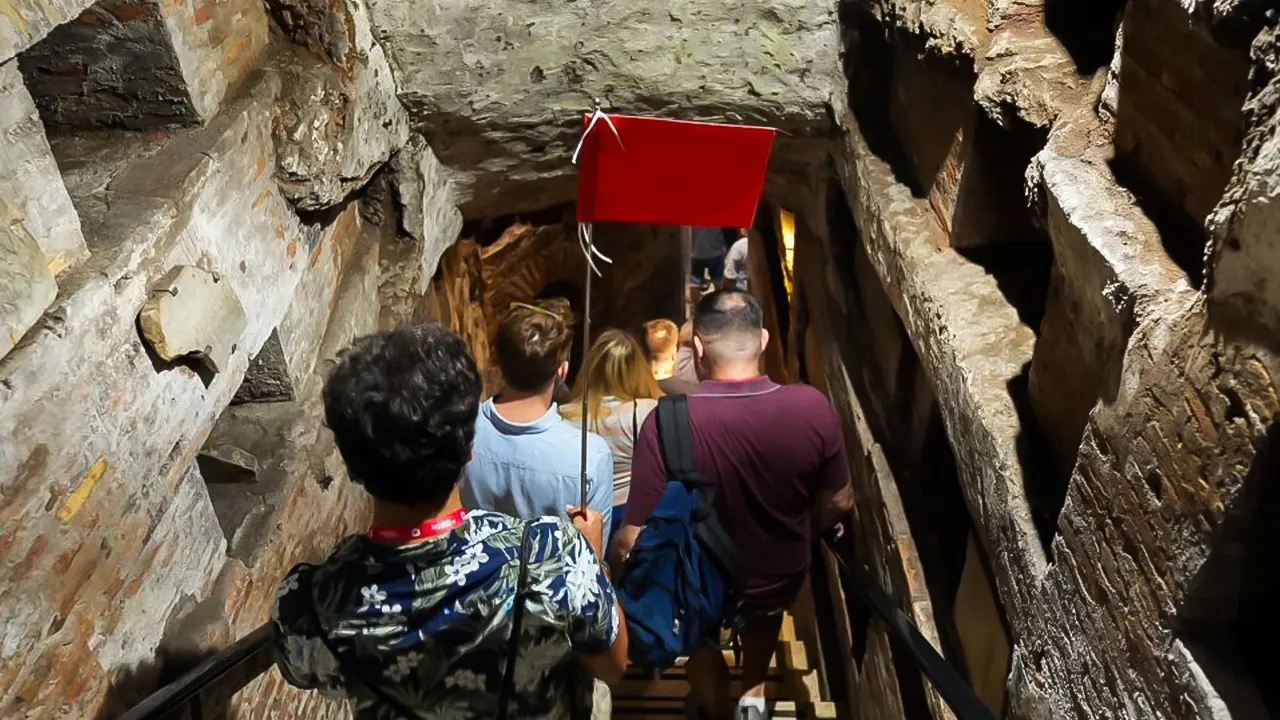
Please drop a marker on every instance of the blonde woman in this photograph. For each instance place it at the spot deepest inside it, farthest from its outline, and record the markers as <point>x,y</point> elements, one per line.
<point>621,395</point>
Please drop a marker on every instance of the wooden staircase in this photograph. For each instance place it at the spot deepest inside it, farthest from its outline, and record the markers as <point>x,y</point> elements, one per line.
<point>792,687</point>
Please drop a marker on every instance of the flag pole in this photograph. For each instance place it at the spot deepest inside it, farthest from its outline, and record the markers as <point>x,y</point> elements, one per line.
<point>588,250</point>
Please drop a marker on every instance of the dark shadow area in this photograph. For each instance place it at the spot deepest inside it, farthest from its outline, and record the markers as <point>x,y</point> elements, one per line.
<point>868,62</point>
<point>487,231</point>
<point>1022,273</point>
<point>1086,28</point>
<point>1046,488</point>
<point>1181,234</point>
<point>766,225</point>
<point>1228,619</point>
<point>991,203</point>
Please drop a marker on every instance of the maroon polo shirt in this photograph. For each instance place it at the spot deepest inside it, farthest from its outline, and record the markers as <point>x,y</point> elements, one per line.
<point>769,449</point>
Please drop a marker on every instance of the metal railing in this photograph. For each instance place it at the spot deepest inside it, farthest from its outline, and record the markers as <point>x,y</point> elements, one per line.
<point>189,690</point>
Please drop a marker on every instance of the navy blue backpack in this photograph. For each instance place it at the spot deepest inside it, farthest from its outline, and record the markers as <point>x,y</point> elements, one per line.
<point>683,579</point>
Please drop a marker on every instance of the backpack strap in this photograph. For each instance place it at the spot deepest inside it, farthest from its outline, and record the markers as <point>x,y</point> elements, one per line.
<point>517,627</point>
<point>676,436</point>
<point>676,439</point>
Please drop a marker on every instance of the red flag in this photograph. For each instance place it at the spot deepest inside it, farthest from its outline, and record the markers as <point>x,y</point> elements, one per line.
<point>671,172</point>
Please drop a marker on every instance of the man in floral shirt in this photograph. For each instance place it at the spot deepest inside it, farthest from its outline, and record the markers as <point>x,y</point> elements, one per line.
<point>414,620</point>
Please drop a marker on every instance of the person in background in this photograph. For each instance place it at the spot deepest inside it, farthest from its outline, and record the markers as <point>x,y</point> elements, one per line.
<point>415,618</point>
<point>621,393</point>
<point>686,367</point>
<point>526,460</point>
<point>775,456</point>
<point>735,264</point>
<point>662,341</point>
<point>706,259</point>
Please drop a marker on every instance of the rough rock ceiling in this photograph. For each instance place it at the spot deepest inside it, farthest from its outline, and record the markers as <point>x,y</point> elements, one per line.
<point>498,87</point>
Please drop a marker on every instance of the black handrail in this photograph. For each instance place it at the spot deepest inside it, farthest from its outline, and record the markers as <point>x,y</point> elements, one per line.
<point>950,684</point>
<point>188,689</point>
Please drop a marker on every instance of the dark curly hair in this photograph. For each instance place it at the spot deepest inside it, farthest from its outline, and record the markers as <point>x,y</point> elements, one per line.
<point>533,340</point>
<point>402,407</point>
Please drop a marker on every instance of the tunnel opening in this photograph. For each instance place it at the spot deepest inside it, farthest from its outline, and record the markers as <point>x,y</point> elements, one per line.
<point>1227,620</point>
<point>1086,29</point>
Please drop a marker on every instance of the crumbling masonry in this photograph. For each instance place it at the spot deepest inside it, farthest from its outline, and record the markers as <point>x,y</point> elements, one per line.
<point>1036,268</point>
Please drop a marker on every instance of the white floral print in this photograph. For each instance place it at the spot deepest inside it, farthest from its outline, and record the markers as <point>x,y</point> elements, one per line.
<point>373,597</point>
<point>468,562</point>
<point>403,664</point>
<point>465,680</point>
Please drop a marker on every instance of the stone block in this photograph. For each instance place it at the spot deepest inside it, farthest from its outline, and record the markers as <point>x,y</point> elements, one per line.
<point>338,123</point>
<point>191,312</point>
<point>30,185</point>
<point>428,201</point>
<point>227,464</point>
<point>1110,267</point>
<point>218,44</point>
<point>1024,72</point>
<point>1243,260</point>
<point>114,65</point>
<point>970,342</point>
<point>96,434</point>
<point>949,27</point>
<point>26,286</point>
<point>145,63</point>
<point>498,88</point>
<point>25,22</point>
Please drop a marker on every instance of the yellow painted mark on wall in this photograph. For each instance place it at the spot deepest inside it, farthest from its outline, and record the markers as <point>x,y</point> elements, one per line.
<point>76,499</point>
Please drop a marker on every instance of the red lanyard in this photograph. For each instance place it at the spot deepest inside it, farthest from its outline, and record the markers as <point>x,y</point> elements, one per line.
<point>425,530</point>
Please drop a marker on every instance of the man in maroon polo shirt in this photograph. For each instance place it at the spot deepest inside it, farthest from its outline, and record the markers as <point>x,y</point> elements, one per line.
<point>776,456</point>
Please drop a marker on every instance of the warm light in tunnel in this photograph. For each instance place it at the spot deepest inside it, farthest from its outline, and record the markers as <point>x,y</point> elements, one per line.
<point>787,233</point>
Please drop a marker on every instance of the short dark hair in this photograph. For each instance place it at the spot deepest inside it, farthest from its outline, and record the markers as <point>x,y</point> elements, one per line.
<point>402,406</point>
<point>725,311</point>
<point>533,340</point>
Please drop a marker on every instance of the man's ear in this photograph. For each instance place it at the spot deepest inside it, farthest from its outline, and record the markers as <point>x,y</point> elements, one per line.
<point>562,372</point>
<point>764,338</point>
<point>698,350</point>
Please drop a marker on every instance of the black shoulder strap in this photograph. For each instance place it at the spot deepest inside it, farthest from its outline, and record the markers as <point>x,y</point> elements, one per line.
<point>350,671</point>
<point>517,627</point>
<point>676,438</point>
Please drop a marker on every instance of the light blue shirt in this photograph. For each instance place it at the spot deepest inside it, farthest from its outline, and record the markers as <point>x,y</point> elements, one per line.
<point>532,469</point>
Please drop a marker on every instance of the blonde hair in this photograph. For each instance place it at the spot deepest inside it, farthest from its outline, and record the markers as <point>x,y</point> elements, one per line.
<point>615,366</point>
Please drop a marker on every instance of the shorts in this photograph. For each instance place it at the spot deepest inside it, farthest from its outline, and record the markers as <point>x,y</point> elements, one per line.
<point>713,266</point>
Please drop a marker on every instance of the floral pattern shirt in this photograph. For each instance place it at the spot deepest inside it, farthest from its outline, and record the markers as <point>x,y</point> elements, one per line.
<point>430,624</point>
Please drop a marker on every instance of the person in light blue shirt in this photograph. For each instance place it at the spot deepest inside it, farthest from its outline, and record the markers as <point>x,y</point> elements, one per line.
<point>526,460</point>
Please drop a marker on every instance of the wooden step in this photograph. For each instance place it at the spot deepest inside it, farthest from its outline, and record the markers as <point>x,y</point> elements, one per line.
<point>791,685</point>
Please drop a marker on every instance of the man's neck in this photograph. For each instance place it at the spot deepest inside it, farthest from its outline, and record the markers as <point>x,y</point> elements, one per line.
<point>524,407</point>
<point>396,515</point>
<point>734,373</point>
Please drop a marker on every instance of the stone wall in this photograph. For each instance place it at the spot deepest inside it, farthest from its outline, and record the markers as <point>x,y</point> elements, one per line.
<point>1110,423</point>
